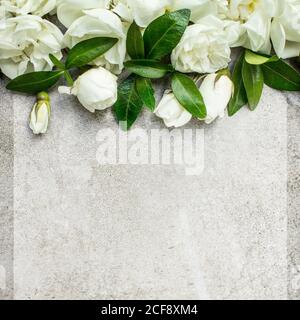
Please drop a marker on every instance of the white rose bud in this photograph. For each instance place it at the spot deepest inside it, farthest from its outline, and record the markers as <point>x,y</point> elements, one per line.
<point>96,89</point>
<point>40,114</point>
<point>216,92</point>
<point>172,112</point>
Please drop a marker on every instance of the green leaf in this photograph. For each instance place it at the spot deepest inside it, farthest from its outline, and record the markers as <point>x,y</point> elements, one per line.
<point>239,98</point>
<point>258,59</point>
<point>135,42</point>
<point>163,34</point>
<point>35,82</point>
<point>56,62</point>
<point>148,68</point>
<point>188,95</point>
<point>281,76</point>
<point>253,79</point>
<point>146,92</point>
<point>88,50</point>
<point>128,105</point>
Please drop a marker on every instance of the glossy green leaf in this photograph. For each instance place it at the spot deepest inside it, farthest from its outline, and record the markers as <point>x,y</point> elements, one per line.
<point>35,82</point>
<point>258,59</point>
<point>88,50</point>
<point>239,98</point>
<point>129,105</point>
<point>164,33</point>
<point>188,95</point>
<point>135,42</point>
<point>253,79</point>
<point>148,68</point>
<point>146,92</point>
<point>56,62</point>
<point>281,76</point>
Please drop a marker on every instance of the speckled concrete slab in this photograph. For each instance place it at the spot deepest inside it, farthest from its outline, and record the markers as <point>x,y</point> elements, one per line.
<point>294,195</point>
<point>87,231</point>
<point>6,194</point>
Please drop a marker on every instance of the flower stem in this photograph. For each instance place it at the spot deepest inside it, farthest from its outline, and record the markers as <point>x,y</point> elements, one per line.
<point>69,79</point>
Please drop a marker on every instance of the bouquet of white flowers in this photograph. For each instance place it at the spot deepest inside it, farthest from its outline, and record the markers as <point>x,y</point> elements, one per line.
<point>188,41</point>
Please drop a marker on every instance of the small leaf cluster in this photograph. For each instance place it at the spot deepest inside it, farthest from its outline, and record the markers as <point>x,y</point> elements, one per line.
<point>252,71</point>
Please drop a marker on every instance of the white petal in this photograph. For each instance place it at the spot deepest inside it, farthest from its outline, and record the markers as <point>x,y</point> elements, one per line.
<point>65,90</point>
<point>278,37</point>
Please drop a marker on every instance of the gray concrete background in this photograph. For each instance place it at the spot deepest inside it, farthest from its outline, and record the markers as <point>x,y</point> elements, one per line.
<point>84,231</point>
<point>294,195</point>
<point>6,193</point>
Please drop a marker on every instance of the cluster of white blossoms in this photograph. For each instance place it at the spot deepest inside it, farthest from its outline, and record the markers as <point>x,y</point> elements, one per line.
<point>27,37</point>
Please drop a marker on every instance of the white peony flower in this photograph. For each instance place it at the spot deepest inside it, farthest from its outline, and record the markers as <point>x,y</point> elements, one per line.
<point>25,45</point>
<point>285,29</point>
<point>216,92</point>
<point>70,10</point>
<point>100,23</point>
<point>172,112</point>
<point>23,7</point>
<point>96,89</point>
<point>204,47</point>
<point>40,114</point>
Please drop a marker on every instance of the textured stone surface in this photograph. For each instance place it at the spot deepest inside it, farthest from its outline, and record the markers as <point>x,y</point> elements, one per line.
<point>87,231</point>
<point>6,194</point>
<point>294,195</point>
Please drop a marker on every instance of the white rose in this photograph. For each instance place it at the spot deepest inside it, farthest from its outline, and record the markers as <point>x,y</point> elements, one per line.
<point>70,10</point>
<point>96,89</point>
<point>216,95</point>
<point>242,10</point>
<point>25,45</point>
<point>266,20</point>
<point>254,18</point>
<point>143,12</point>
<point>257,33</point>
<point>172,112</point>
<point>23,7</point>
<point>100,23</point>
<point>285,30</point>
<point>204,48</point>
<point>40,114</point>
<point>199,8</point>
